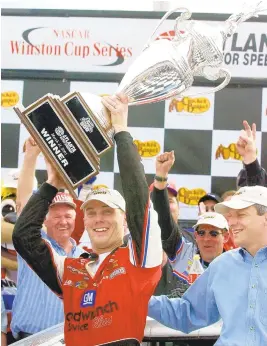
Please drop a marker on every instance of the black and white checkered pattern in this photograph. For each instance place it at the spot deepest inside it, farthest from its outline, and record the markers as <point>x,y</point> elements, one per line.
<point>195,138</point>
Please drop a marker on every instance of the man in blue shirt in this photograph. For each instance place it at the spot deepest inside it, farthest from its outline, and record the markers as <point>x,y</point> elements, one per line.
<point>35,306</point>
<point>3,323</point>
<point>234,287</point>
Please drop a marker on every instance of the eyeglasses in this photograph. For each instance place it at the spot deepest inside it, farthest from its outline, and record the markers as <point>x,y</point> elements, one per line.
<point>212,233</point>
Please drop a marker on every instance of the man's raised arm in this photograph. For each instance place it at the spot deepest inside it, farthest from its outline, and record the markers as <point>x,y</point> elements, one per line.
<point>145,240</point>
<point>27,239</point>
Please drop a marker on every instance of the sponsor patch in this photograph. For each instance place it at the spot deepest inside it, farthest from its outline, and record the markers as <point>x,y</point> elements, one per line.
<point>81,285</point>
<point>68,283</point>
<point>117,272</point>
<point>88,298</point>
<point>101,321</point>
<point>82,271</point>
<point>112,264</point>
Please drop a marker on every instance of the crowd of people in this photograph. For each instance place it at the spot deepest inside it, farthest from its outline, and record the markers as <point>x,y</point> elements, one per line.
<point>140,259</point>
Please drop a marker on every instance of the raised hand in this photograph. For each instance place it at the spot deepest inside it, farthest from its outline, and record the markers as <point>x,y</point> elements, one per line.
<point>164,163</point>
<point>54,178</point>
<point>118,107</point>
<point>246,144</point>
<point>31,148</point>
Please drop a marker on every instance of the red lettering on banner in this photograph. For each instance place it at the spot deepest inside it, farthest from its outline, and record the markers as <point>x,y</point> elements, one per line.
<point>72,34</point>
<point>22,48</point>
<point>68,48</point>
<point>96,49</point>
<point>130,52</point>
<point>103,50</point>
<point>14,47</point>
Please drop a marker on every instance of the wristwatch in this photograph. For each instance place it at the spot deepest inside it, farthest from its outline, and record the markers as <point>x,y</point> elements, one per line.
<point>161,179</point>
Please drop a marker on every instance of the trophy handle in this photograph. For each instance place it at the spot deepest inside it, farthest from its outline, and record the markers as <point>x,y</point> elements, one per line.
<point>248,10</point>
<point>186,14</point>
<point>221,73</point>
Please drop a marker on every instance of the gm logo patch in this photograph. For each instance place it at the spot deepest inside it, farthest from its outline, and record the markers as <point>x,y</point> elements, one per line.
<point>88,299</point>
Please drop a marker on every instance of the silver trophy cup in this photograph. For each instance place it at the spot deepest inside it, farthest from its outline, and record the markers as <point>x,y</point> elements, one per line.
<point>166,68</point>
<point>75,130</point>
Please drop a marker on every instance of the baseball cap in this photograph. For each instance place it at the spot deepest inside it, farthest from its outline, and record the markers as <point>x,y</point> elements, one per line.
<point>244,198</point>
<point>110,197</point>
<point>210,196</point>
<point>214,219</point>
<point>63,198</point>
<point>12,178</point>
<point>172,188</point>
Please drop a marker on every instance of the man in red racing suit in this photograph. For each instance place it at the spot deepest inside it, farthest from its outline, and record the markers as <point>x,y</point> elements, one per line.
<point>105,292</point>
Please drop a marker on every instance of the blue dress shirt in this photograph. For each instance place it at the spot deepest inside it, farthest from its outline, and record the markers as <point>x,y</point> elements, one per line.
<point>233,288</point>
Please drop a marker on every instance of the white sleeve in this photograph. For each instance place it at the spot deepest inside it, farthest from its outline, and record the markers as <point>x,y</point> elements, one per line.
<point>182,260</point>
<point>151,253</point>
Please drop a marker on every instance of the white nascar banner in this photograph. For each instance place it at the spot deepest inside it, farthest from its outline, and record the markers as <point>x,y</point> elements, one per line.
<point>98,45</point>
<point>264,110</point>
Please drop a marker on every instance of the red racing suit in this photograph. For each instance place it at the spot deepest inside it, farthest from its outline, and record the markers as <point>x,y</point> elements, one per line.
<point>109,308</point>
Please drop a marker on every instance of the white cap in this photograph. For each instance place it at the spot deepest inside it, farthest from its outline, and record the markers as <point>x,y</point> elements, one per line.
<point>112,198</point>
<point>244,198</point>
<point>11,180</point>
<point>214,219</point>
